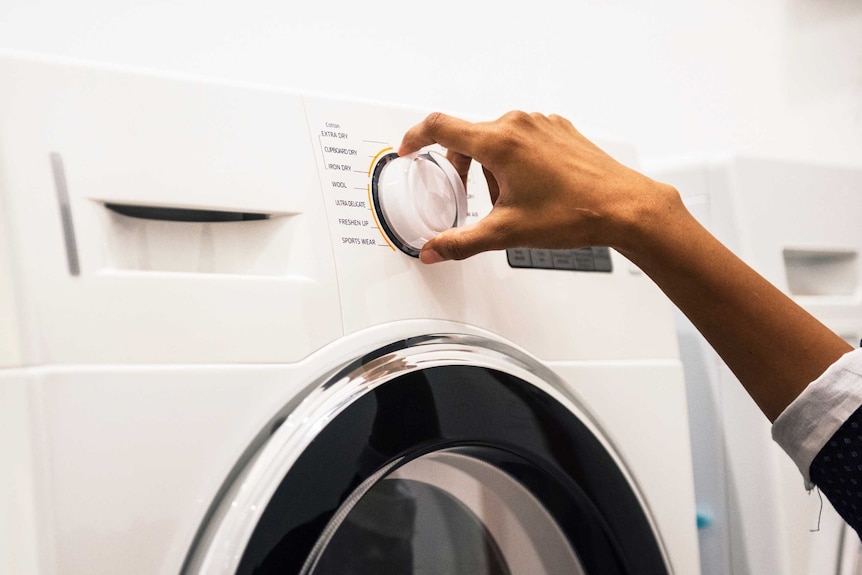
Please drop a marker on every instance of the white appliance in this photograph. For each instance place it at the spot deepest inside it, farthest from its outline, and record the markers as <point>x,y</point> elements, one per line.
<point>215,361</point>
<point>798,225</point>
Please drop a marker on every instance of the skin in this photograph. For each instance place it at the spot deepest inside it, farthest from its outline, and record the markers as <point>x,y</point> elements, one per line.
<point>553,188</point>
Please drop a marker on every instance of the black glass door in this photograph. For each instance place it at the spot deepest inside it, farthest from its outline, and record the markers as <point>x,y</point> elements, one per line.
<point>454,469</point>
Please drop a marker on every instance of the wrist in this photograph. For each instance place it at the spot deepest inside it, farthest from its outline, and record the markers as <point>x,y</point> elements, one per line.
<point>653,213</point>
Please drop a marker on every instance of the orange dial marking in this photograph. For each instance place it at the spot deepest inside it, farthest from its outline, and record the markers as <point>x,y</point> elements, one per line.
<point>374,161</point>
<point>374,214</point>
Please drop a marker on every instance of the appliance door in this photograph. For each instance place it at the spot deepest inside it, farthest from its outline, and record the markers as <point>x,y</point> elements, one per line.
<point>441,454</point>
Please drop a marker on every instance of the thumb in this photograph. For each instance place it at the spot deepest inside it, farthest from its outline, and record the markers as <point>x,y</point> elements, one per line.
<point>461,243</point>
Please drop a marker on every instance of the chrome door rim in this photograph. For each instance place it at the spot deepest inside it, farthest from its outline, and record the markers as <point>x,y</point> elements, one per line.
<point>232,519</point>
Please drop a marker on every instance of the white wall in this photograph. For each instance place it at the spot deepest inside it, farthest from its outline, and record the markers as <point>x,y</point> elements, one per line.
<point>780,77</point>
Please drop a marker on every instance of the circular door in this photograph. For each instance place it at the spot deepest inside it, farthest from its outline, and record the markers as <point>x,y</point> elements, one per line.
<point>442,454</point>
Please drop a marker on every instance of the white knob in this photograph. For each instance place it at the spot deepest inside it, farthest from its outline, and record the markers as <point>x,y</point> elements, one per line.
<point>420,196</point>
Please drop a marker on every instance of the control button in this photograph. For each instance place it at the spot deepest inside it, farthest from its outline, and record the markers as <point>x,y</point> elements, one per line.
<point>563,260</point>
<point>592,259</point>
<point>417,197</point>
<point>542,259</point>
<point>519,258</point>
<point>602,259</point>
<point>584,259</point>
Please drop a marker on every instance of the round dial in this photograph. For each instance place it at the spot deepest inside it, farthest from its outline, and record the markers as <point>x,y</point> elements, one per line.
<point>417,197</point>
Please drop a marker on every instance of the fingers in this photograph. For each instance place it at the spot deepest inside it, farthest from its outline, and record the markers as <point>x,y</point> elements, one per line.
<point>452,133</point>
<point>464,242</point>
<point>461,164</point>
<point>493,185</point>
<point>504,148</point>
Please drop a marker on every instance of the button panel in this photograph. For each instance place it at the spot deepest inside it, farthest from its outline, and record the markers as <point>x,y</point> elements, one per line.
<point>593,259</point>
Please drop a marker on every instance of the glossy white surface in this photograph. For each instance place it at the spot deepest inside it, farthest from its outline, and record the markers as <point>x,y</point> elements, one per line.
<point>798,225</point>
<point>157,291</point>
<point>146,377</point>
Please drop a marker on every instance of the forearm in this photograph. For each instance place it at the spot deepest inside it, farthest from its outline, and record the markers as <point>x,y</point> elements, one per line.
<point>774,347</point>
<point>553,188</point>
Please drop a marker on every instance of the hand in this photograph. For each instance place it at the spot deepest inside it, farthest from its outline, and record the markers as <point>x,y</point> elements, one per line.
<point>550,186</point>
<point>553,188</point>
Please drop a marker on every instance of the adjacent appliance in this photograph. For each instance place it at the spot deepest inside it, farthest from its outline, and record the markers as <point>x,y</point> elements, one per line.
<point>798,225</point>
<point>221,355</point>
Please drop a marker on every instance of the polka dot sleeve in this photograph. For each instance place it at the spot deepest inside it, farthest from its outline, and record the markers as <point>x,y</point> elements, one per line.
<point>837,470</point>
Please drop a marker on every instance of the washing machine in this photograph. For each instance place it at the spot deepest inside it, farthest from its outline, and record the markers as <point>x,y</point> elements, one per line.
<point>221,355</point>
<point>797,224</point>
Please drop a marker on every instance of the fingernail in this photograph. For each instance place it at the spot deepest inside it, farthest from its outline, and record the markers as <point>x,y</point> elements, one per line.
<point>430,256</point>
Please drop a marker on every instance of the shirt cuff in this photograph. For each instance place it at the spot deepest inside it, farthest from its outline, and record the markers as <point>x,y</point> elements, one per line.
<point>804,427</point>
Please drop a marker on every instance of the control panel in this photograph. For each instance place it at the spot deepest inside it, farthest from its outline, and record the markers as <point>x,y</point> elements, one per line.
<point>380,202</point>
<point>592,259</point>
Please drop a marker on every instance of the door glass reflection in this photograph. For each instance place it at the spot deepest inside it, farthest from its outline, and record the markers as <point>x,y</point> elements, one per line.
<point>445,512</point>
<point>402,526</point>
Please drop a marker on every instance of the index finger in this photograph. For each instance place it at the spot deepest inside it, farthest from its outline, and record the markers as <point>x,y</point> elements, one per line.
<point>450,132</point>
